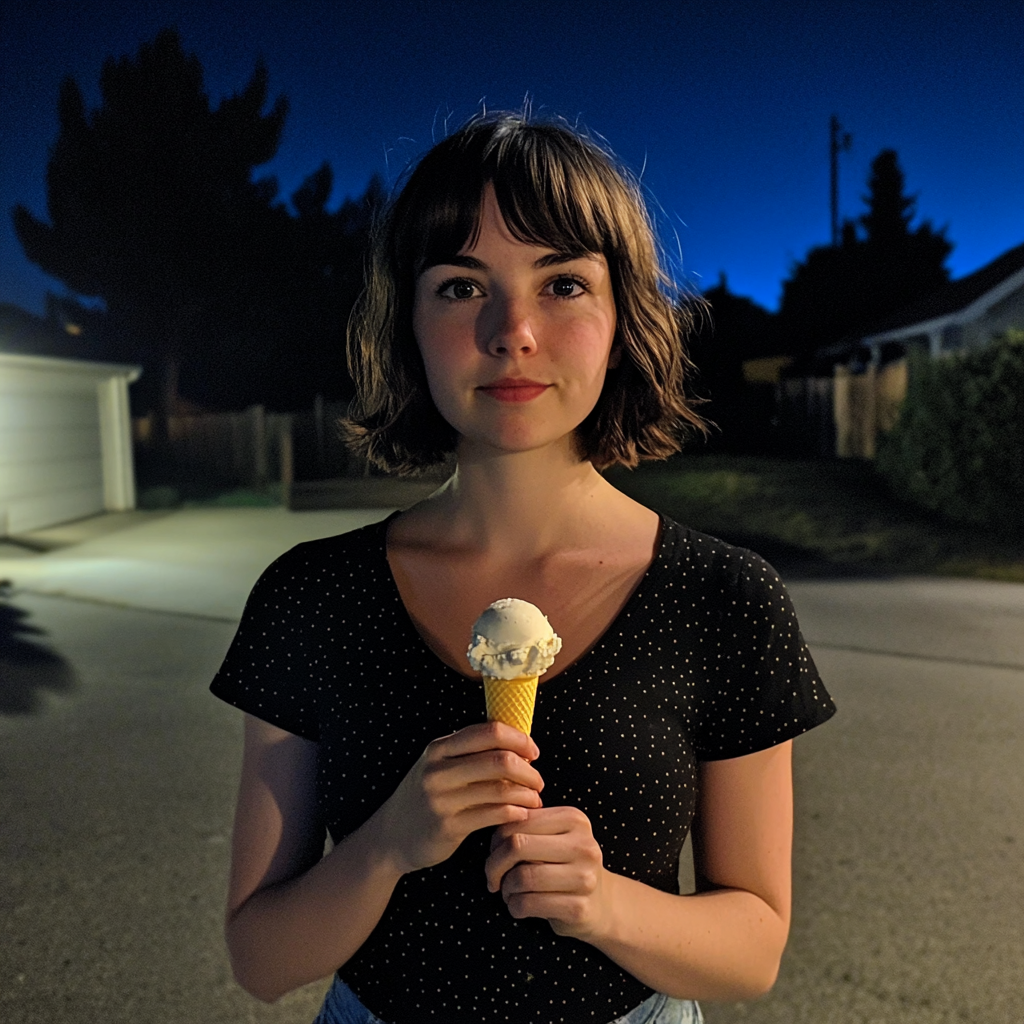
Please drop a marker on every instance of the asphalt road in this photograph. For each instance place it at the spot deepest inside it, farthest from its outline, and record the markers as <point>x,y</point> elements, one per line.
<point>118,770</point>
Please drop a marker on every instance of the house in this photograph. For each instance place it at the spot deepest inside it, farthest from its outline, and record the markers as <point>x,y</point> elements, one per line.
<point>65,439</point>
<point>870,372</point>
<point>967,313</point>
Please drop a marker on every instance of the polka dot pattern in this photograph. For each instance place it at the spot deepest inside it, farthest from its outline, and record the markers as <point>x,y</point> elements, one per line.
<point>705,661</point>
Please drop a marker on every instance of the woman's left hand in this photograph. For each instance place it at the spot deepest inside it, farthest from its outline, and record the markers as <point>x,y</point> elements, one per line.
<point>550,866</point>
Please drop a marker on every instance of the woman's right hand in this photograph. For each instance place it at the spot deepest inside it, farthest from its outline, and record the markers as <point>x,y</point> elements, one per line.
<point>470,779</point>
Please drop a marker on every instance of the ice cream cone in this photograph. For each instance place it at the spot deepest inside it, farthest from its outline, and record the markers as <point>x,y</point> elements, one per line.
<point>512,645</point>
<point>511,701</point>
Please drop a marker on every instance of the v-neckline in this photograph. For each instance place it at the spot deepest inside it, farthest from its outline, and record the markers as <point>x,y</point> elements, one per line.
<point>664,534</point>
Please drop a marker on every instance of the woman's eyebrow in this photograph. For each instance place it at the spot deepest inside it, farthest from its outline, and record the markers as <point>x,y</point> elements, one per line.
<point>552,259</point>
<point>555,258</point>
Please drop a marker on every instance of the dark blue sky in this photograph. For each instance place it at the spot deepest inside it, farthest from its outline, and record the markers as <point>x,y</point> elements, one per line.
<point>724,106</point>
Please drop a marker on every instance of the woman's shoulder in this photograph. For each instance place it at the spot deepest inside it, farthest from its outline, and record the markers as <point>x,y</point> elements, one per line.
<point>716,565</point>
<point>355,553</point>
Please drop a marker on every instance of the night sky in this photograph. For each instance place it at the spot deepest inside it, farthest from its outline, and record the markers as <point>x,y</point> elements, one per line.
<point>724,107</point>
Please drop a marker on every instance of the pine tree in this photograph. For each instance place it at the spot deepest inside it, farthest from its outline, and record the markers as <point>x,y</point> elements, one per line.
<point>839,291</point>
<point>902,265</point>
<point>153,207</point>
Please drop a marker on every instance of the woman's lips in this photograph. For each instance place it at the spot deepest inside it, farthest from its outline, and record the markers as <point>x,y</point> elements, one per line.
<point>514,390</point>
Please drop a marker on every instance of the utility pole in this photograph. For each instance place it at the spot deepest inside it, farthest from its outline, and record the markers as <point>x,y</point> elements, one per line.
<point>839,142</point>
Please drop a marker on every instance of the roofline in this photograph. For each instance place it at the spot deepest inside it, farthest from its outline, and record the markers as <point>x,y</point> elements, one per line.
<point>15,360</point>
<point>959,316</point>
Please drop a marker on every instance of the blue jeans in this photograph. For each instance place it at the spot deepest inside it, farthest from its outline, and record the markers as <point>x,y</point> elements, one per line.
<point>342,1006</point>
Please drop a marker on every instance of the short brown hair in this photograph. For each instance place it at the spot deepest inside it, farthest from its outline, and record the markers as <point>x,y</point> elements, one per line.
<point>556,188</point>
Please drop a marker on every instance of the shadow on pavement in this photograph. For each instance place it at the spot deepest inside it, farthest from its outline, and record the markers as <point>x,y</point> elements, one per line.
<point>27,667</point>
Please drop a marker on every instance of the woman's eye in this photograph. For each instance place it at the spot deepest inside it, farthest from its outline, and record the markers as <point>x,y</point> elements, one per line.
<point>566,287</point>
<point>458,289</point>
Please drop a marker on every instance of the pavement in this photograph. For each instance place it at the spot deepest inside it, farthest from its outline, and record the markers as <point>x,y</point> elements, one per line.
<point>198,561</point>
<point>118,772</point>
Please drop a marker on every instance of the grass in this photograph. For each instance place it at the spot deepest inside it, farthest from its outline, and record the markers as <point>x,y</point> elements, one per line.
<point>167,496</point>
<point>807,517</point>
<point>817,517</point>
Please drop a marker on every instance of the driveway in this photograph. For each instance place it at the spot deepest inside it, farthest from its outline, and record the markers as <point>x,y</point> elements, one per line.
<point>119,772</point>
<point>200,561</point>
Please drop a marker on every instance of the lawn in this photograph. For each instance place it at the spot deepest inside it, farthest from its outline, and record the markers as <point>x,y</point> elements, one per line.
<point>817,517</point>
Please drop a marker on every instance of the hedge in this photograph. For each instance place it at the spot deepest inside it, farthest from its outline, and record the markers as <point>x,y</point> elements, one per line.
<point>958,446</point>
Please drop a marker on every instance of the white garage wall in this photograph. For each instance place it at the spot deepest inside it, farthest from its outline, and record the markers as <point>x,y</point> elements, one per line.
<point>65,451</point>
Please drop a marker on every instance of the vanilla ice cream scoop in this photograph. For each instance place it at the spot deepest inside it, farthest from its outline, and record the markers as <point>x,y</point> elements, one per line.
<point>512,639</point>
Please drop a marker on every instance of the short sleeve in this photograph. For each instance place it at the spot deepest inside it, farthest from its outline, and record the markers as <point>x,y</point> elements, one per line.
<point>266,671</point>
<point>763,687</point>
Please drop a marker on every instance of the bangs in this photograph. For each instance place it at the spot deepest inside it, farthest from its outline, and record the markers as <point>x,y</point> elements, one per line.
<point>549,193</point>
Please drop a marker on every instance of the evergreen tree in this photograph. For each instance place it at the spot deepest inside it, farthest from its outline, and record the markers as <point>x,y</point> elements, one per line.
<point>321,275</point>
<point>825,297</point>
<point>153,208</point>
<point>838,291</point>
<point>902,265</point>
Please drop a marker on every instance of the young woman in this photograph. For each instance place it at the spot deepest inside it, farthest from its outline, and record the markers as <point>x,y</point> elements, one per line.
<point>515,315</point>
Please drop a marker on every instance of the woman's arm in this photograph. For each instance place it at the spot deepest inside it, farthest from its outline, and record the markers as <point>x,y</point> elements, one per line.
<point>293,917</point>
<point>726,941</point>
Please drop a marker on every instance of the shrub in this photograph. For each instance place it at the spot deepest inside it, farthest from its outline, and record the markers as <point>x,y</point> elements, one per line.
<point>958,446</point>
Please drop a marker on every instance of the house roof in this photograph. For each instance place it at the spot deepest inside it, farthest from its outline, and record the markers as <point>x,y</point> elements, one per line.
<point>955,296</point>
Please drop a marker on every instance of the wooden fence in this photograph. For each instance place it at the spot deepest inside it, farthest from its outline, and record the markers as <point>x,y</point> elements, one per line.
<point>254,447</point>
<point>842,415</point>
<point>839,416</point>
<point>805,417</point>
<point>237,449</point>
<point>866,405</point>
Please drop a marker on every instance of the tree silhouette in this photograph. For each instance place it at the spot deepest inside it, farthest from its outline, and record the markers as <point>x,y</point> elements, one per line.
<point>736,330</point>
<point>901,265</point>
<point>844,289</point>
<point>153,207</point>
<point>319,279</point>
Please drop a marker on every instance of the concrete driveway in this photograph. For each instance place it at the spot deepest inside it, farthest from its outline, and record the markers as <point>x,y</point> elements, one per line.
<point>119,772</point>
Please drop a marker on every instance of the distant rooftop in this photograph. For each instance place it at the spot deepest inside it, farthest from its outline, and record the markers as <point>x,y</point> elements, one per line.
<point>954,296</point>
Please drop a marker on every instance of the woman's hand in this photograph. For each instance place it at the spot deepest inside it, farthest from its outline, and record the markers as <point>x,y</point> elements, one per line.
<point>550,866</point>
<point>477,777</point>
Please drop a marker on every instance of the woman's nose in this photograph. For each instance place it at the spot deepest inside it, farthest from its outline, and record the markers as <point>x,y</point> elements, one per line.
<point>511,332</point>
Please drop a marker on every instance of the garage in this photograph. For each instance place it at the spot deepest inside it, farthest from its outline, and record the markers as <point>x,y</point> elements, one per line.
<point>65,440</point>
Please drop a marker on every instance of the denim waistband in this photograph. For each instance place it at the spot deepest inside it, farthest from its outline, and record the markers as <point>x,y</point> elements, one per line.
<point>342,1006</point>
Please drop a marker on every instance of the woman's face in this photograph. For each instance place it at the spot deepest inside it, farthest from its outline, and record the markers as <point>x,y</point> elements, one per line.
<point>516,338</point>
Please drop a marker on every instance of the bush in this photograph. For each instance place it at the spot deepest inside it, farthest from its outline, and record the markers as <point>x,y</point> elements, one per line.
<point>958,446</point>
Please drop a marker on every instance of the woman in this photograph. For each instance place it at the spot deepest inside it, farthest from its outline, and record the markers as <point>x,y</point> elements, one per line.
<point>515,316</point>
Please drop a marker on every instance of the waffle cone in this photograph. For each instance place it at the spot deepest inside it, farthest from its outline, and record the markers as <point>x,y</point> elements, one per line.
<point>511,701</point>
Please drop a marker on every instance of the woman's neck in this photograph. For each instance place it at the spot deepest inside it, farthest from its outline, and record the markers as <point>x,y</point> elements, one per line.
<point>522,504</point>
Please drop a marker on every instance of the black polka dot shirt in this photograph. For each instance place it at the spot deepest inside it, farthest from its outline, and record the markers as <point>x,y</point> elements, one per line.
<point>705,661</point>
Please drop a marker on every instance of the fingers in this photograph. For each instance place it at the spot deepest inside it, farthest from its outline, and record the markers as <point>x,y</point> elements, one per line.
<point>487,816</point>
<point>487,736</point>
<point>459,760</point>
<point>448,797</point>
<point>475,778</point>
<point>556,835</point>
<point>546,821</point>
<point>569,879</point>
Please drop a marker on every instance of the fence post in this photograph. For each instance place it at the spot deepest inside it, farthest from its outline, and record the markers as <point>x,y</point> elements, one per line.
<point>318,424</point>
<point>259,446</point>
<point>287,464</point>
<point>869,427</point>
<point>841,410</point>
